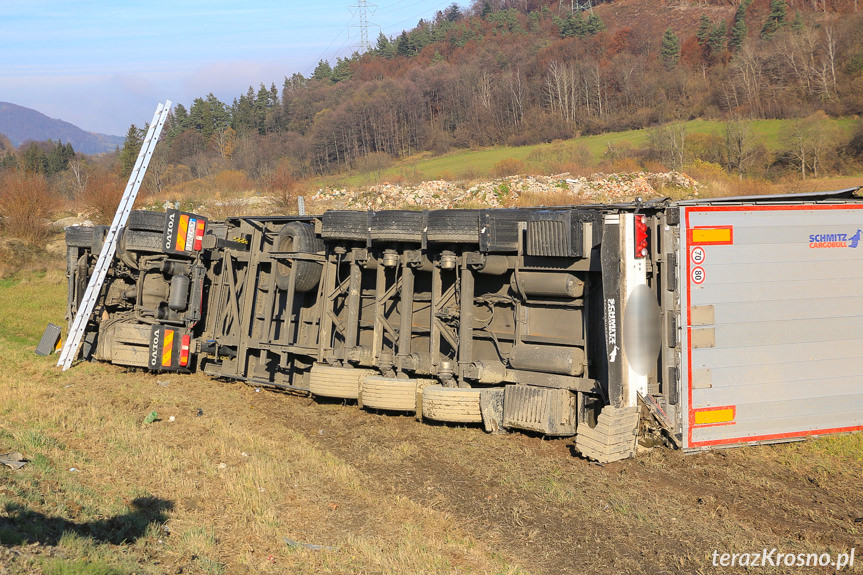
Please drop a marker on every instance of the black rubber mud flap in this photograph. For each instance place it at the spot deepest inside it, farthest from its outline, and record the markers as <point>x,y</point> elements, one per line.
<point>169,349</point>
<point>183,233</point>
<point>610,256</point>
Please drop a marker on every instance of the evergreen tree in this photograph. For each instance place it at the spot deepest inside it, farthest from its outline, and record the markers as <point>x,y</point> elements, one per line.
<point>131,148</point>
<point>58,158</point>
<point>244,120</point>
<point>384,47</point>
<point>716,40</point>
<point>738,28</point>
<point>704,27</point>
<point>342,70</point>
<point>323,71</point>
<point>594,25</point>
<point>35,160</point>
<point>9,161</point>
<point>182,116</point>
<point>775,19</point>
<point>797,23</point>
<point>404,46</point>
<point>178,120</point>
<point>573,26</point>
<point>262,105</point>
<point>452,13</point>
<point>670,51</point>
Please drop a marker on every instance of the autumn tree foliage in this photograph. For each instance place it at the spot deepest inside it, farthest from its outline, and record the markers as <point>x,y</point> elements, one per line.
<point>520,72</point>
<point>26,203</point>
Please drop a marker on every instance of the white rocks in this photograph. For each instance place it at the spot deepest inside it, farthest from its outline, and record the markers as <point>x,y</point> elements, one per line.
<point>506,192</point>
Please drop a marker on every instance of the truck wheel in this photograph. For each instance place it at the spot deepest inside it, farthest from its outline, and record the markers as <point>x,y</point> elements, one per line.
<point>389,393</point>
<point>345,225</point>
<point>453,226</point>
<point>340,382</point>
<point>452,404</point>
<point>79,236</point>
<point>397,226</point>
<point>298,237</point>
<point>146,221</point>
<point>142,241</point>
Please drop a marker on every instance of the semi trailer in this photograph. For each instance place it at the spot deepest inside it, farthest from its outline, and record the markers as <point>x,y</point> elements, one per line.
<point>696,324</point>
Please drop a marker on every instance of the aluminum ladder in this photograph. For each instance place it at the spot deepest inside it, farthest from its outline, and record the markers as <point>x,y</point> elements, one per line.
<point>109,248</point>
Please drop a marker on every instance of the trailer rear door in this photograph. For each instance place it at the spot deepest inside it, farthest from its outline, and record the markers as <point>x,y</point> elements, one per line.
<point>772,309</point>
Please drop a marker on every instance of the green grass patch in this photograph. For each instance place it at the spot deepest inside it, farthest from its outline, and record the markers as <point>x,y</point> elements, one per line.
<point>547,159</point>
<point>61,567</point>
<point>27,304</point>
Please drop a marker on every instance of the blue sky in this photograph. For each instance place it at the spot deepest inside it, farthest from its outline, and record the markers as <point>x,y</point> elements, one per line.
<point>104,65</point>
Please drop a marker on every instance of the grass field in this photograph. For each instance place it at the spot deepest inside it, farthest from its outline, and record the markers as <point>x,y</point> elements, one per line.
<point>544,158</point>
<point>231,479</point>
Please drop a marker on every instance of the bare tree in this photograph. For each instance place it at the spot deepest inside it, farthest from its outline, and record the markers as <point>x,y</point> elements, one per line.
<point>740,145</point>
<point>80,174</point>
<point>810,140</point>
<point>668,142</point>
<point>518,95</point>
<point>830,49</point>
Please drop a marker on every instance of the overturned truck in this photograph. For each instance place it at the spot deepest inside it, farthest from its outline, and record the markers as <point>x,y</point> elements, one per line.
<point>696,324</point>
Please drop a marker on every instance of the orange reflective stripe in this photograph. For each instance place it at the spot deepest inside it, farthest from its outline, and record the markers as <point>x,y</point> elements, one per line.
<point>715,415</point>
<point>167,347</point>
<point>182,230</point>
<point>720,235</point>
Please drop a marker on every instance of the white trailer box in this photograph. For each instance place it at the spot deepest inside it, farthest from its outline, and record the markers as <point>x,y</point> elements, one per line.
<point>771,304</point>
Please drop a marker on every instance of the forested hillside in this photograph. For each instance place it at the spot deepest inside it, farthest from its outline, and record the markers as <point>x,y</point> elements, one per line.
<point>518,73</point>
<point>528,71</point>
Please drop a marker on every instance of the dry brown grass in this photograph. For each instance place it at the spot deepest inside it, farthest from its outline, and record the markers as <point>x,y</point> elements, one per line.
<point>716,182</point>
<point>509,167</point>
<point>235,482</point>
<point>232,182</point>
<point>389,494</point>
<point>562,197</point>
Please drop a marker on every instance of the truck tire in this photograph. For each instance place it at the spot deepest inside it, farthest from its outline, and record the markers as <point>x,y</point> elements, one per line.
<point>79,236</point>
<point>298,237</point>
<point>345,225</point>
<point>339,382</point>
<point>146,221</point>
<point>397,226</point>
<point>142,241</point>
<point>453,226</point>
<point>389,393</point>
<point>452,404</point>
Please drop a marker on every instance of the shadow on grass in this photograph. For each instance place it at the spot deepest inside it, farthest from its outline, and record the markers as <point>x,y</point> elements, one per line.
<point>21,525</point>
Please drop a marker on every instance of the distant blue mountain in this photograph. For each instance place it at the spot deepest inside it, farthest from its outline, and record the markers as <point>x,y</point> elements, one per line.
<point>21,124</point>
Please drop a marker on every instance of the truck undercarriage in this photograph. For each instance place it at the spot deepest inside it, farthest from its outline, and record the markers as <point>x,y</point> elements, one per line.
<point>564,321</point>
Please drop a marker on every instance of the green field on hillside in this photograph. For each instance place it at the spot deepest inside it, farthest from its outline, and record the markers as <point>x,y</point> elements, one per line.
<point>587,151</point>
